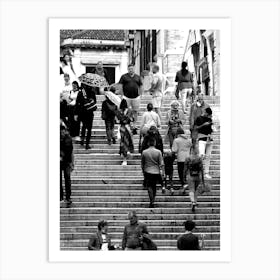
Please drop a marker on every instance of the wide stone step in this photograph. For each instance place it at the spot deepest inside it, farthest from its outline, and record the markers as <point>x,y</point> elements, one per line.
<point>100,130</point>
<point>133,193</point>
<point>136,188</point>
<point>160,243</point>
<point>122,223</point>
<point>160,248</point>
<point>104,166</point>
<point>152,229</point>
<point>116,180</point>
<point>145,204</point>
<point>109,190</point>
<point>142,198</point>
<point>142,216</point>
<point>116,147</point>
<point>115,150</point>
<point>160,236</point>
<point>116,164</point>
<point>213,171</point>
<point>135,141</point>
<point>124,210</point>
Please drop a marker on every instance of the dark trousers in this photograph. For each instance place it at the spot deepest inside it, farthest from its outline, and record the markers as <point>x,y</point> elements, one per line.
<point>151,183</point>
<point>110,124</point>
<point>86,128</point>
<point>170,177</point>
<point>66,169</point>
<point>180,166</point>
<point>74,125</point>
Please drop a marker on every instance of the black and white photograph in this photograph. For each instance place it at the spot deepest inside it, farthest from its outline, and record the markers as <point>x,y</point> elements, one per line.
<point>153,153</point>
<point>140,139</point>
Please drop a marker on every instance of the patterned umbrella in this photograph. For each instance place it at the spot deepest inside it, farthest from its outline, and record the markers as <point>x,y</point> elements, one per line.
<point>93,80</point>
<point>113,97</point>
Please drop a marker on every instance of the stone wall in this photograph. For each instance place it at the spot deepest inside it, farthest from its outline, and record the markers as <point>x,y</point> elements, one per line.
<point>114,58</point>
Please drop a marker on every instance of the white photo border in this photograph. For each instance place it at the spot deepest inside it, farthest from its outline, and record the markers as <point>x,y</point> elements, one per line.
<point>224,254</point>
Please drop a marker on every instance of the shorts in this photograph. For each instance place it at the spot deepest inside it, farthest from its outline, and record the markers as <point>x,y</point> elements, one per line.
<point>134,103</point>
<point>185,93</point>
<point>157,101</point>
<point>193,183</point>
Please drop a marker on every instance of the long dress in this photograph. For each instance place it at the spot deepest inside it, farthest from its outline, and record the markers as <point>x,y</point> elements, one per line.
<point>126,142</point>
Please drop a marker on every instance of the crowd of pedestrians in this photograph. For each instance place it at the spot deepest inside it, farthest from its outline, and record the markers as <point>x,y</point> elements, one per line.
<point>191,150</point>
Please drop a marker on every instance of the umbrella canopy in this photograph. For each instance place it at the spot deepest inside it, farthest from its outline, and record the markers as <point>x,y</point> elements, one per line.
<point>93,80</point>
<point>113,97</point>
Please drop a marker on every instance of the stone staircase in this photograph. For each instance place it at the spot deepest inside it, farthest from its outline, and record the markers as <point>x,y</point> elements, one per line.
<point>103,189</point>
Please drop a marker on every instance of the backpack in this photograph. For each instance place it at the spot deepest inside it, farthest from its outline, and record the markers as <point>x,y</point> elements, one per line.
<point>194,166</point>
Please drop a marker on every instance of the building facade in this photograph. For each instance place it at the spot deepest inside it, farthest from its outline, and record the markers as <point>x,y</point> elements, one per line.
<point>168,48</point>
<point>91,46</point>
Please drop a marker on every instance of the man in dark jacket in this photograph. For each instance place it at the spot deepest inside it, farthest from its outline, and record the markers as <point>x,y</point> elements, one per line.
<point>188,241</point>
<point>66,163</point>
<point>134,232</point>
<point>85,107</point>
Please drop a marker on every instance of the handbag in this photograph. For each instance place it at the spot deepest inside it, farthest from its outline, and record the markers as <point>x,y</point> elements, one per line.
<point>204,187</point>
<point>148,244</point>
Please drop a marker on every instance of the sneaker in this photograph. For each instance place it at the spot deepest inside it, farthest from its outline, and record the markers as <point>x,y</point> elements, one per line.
<point>151,205</point>
<point>109,143</point>
<point>82,143</point>
<point>184,189</point>
<point>193,207</point>
<point>124,162</point>
<point>69,201</point>
<point>88,147</point>
<point>207,176</point>
<point>114,141</point>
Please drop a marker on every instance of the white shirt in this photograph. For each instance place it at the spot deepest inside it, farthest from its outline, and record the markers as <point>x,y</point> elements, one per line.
<point>150,118</point>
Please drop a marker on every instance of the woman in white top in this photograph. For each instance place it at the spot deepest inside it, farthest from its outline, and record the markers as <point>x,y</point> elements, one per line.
<point>73,115</point>
<point>66,67</point>
<point>149,118</point>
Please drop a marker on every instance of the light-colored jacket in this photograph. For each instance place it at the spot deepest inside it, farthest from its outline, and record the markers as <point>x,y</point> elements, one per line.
<point>181,146</point>
<point>149,119</point>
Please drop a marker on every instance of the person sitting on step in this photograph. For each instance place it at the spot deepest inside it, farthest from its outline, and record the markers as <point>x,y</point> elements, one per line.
<point>189,241</point>
<point>133,233</point>
<point>101,240</point>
